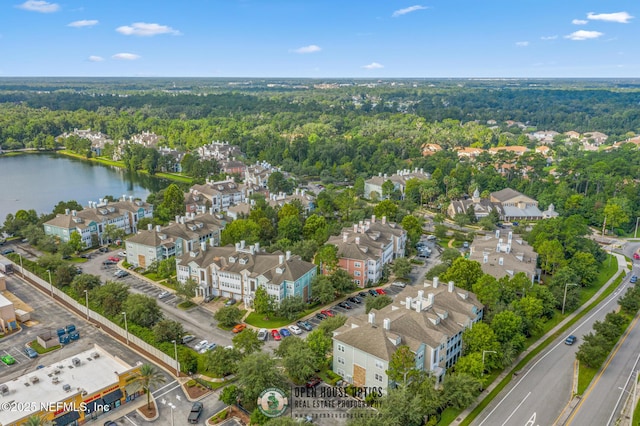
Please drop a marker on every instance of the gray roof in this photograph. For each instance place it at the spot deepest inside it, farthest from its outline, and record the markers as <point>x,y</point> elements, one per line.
<point>508,194</point>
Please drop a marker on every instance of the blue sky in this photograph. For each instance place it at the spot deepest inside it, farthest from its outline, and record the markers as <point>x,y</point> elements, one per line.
<point>320,38</point>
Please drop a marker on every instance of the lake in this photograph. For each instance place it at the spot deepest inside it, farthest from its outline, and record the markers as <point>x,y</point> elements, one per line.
<point>40,181</point>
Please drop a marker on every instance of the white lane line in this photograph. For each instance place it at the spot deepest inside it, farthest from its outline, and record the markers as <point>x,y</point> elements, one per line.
<point>623,391</point>
<point>165,386</point>
<point>516,409</point>
<point>170,390</point>
<point>131,421</point>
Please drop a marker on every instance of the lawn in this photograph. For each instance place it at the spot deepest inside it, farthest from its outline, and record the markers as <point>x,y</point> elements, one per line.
<point>258,320</point>
<point>187,304</point>
<point>585,376</point>
<point>153,276</point>
<point>36,347</point>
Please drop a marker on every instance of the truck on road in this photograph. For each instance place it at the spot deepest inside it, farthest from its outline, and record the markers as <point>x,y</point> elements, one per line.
<point>196,411</point>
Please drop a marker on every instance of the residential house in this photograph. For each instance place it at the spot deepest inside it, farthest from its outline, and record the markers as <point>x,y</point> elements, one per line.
<point>233,166</point>
<point>146,139</point>
<point>399,180</point>
<point>516,149</point>
<point>220,195</point>
<point>92,221</point>
<point>550,213</point>
<point>430,149</point>
<point>468,152</point>
<point>503,254</point>
<point>220,151</point>
<point>173,159</point>
<point>429,320</point>
<point>306,200</point>
<point>175,239</point>
<point>482,207</point>
<point>364,249</point>
<point>543,136</point>
<point>98,139</point>
<point>573,135</point>
<point>258,174</point>
<point>510,205</point>
<point>237,271</point>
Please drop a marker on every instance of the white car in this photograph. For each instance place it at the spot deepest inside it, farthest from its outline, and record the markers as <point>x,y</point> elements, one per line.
<point>163,294</point>
<point>263,334</point>
<point>122,253</point>
<point>201,344</point>
<point>295,329</point>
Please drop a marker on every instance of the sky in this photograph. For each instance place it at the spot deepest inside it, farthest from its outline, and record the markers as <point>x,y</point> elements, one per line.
<point>321,38</point>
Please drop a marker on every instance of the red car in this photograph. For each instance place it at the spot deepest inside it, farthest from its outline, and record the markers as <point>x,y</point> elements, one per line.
<point>636,256</point>
<point>327,312</point>
<point>114,259</point>
<point>380,291</point>
<point>275,334</point>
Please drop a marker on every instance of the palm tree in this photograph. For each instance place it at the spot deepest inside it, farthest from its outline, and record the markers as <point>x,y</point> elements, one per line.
<point>36,420</point>
<point>149,377</point>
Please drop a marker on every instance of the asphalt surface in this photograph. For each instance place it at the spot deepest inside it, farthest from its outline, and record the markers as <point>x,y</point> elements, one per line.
<point>543,389</point>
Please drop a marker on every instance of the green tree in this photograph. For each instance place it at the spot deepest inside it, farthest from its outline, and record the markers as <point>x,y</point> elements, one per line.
<point>440,231</point>
<point>413,226</point>
<point>239,230</point>
<point>290,227</point>
<point>436,271</point>
<point>291,307</point>
<point>402,365</point>
<point>479,338</point>
<point>83,282</point>
<point>221,361</point>
<point>110,297</point>
<point>315,227</point>
<point>460,390</point>
<point>327,258</point>
<point>263,303</point>
<point>530,310</point>
<point>386,208</point>
<point>247,342</point>
<point>358,186</point>
<point>228,316</point>
<point>75,241</point>
<point>112,233</point>
<point>36,420</point>
<point>142,310</point>
<point>488,291</point>
<point>322,289</point>
<point>341,281</point>
<point>257,372</point>
<point>464,273</point>
<point>148,378</point>
<point>186,290</point>
<point>377,303</point>
<point>172,204</point>
<point>387,189</point>
<point>329,325</point>
<point>615,213</point>
<point>551,255</point>
<point>298,359</point>
<point>471,365</point>
<point>320,344</point>
<point>593,351</point>
<point>229,395</point>
<point>401,267</point>
<point>167,330</point>
<point>586,266</point>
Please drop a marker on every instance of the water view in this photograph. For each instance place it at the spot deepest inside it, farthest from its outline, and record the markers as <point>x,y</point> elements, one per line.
<point>40,181</point>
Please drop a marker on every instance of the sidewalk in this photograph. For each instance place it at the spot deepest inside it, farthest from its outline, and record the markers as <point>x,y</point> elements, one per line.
<point>622,266</point>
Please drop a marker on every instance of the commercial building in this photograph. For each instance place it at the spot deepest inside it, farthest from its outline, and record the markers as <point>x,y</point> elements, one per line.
<point>72,391</point>
<point>429,320</point>
<point>8,321</point>
<point>508,203</point>
<point>237,271</point>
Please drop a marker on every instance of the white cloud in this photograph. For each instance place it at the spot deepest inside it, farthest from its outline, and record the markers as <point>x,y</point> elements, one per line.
<point>579,22</point>
<point>94,58</point>
<point>583,35</point>
<point>146,30</point>
<point>83,23</point>
<point>406,10</point>
<point>373,66</point>
<point>620,17</point>
<point>553,37</point>
<point>522,43</point>
<point>312,48</point>
<point>126,56</point>
<point>39,6</point>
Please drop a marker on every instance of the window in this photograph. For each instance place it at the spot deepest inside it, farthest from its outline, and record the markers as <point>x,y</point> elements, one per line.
<point>378,377</point>
<point>340,347</point>
<point>340,360</point>
<point>357,273</point>
<point>357,265</point>
<point>379,364</point>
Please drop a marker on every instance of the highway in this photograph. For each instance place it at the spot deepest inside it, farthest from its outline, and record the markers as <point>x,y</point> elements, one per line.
<point>543,389</point>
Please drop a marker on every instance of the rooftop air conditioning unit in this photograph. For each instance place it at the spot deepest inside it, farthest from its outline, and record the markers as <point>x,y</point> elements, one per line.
<point>4,390</point>
<point>95,355</point>
<point>66,388</point>
<point>56,371</point>
<point>34,379</point>
<point>76,361</point>
<point>55,380</point>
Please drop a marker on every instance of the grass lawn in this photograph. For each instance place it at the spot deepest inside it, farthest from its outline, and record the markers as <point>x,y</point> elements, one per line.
<point>36,347</point>
<point>175,176</point>
<point>257,320</point>
<point>220,416</point>
<point>187,304</point>
<point>77,260</point>
<point>448,416</point>
<point>585,376</point>
<point>153,276</point>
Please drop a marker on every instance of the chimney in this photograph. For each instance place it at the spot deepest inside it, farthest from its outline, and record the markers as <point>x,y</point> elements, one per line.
<point>418,306</point>
<point>211,242</point>
<point>372,318</point>
<point>203,245</point>
<point>355,228</point>
<point>242,244</point>
<point>74,213</point>
<point>131,198</point>
<point>485,258</point>
<point>386,324</point>
<point>124,197</point>
<point>450,286</point>
<point>420,295</point>
<point>384,220</point>
<point>357,240</point>
<point>252,249</point>
<point>373,218</point>
<point>67,211</point>
<point>501,261</point>
<point>210,210</point>
<point>257,247</point>
<point>407,303</point>
<point>509,236</point>
<point>430,299</point>
<point>281,259</point>
<point>158,228</point>
<point>237,246</point>
<point>149,226</point>
<point>497,233</point>
<point>177,218</point>
<point>435,282</point>
<point>344,237</point>
<point>288,255</point>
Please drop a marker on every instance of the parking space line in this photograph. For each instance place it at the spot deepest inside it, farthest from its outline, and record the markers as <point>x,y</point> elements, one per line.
<point>22,353</point>
<point>165,386</point>
<point>170,390</point>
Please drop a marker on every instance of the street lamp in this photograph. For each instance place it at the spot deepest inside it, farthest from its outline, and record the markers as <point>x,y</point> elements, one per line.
<point>50,282</point>
<point>86,299</point>
<point>21,268</point>
<point>175,348</point>
<point>564,299</point>
<point>172,406</point>
<point>126,327</point>
<point>483,354</point>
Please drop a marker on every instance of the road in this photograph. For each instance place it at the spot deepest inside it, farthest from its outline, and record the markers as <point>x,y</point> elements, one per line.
<point>544,388</point>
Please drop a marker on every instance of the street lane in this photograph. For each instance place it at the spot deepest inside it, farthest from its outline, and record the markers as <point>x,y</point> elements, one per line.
<point>546,385</point>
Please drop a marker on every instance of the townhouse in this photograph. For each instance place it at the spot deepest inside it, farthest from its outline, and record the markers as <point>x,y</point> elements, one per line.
<point>502,254</point>
<point>218,195</point>
<point>236,272</point>
<point>399,180</point>
<point>429,320</point>
<point>508,203</point>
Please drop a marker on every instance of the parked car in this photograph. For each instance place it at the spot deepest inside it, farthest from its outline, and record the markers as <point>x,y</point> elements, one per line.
<point>209,298</point>
<point>276,335</point>
<point>8,251</point>
<point>164,294</point>
<point>284,332</point>
<point>327,312</point>
<point>380,291</point>
<point>634,278</point>
<point>121,274</point>
<point>304,325</point>
<point>31,353</point>
<point>355,299</point>
<point>61,332</point>
<point>64,339</point>
<point>110,423</point>
<point>230,302</point>
<point>345,305</point>
<point>109,262</point>
<point>363,294</point>
<point>321,316</point>
<point>103,249</point>
<point>399,284</point>
<point>432,238</point>
<point>209,347</point>
<point>238,328</point>
<point>636,256</point>
<point>570,340</point>
<point>263,334</point>
<point>295,329</point>
<point>313,382</point>
<point>122,253</point>
<point>373,292</point>
<point>8,359</point>
<point>465,244</point>
<point>201,344</point>
<point>188,338</point>
<point>114,259</point>
<point>196,411</point>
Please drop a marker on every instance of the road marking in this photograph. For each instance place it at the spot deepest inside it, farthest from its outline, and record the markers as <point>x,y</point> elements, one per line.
<point>131,421</point>
<point>170,390</point>
<point>165,386</point>
<point>622,391</point>
<point>516,409</point>
<point>585,320</point>
<point>531,421</point>
<point>602,370</point>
